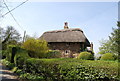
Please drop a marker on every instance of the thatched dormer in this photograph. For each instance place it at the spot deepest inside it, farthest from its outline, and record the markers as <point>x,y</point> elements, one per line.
<point>72,39</point>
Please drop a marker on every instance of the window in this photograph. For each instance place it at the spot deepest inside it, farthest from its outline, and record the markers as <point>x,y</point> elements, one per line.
<point>67,51</point>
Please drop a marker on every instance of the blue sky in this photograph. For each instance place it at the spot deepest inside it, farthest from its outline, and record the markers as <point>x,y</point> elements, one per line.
<point>96,19</point>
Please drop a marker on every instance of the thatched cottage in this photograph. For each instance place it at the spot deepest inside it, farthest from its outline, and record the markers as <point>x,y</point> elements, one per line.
<point>67,40</point>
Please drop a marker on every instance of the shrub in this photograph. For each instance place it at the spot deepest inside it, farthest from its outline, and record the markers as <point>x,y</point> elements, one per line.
<point>107,56</point>
<point>20,58</point>
<point>9,48</point>
<point>86,56</point>
<point>7,63</point>
<point>71,69</point>
<point>14,69</point>
<point>53,54</point>
<point>9,52</point>
<point>3,53</point>
<point>36,48</point>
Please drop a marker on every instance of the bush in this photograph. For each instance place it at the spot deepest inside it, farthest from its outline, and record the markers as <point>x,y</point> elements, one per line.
<point>9,52</point>
<point>107,56</point>
<point>36,48</point>
<point>71,69</point>
<point>53,54</point>
<point>20,58</point>
<point>7,63</point>
<point>3,53</point>
<point>86,56</point>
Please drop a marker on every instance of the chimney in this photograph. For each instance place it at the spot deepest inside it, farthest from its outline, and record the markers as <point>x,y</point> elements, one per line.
<point>66,25</point>
<point>91,46</point>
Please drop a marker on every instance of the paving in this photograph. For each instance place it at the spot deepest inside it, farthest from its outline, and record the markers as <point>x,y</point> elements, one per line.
<point>6,74</point>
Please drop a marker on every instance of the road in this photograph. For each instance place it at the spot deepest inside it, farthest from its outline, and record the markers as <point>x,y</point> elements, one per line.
<point>6,74</point>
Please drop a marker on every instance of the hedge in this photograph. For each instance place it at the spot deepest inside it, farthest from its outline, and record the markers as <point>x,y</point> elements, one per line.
<point>20,58</point>
<point>52,54</point>
<point>71,69</point>
<point>86,56</point>
<point>107,56</point>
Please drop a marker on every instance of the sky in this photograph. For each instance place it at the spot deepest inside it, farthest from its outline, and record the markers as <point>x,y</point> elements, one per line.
<point>96,19</point>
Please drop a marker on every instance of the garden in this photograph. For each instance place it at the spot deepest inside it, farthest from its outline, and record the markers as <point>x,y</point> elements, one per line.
<point>50,67</point>
<point>32,60</point>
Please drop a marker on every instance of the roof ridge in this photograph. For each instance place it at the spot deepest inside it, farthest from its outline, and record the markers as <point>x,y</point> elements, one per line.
<point>64,30</point>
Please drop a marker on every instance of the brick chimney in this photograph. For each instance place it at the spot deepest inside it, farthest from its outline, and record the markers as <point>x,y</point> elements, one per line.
<point>91,46</point>
<point>65,25</point>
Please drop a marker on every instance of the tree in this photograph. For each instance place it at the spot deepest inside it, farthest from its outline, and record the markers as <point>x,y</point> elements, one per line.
<point>105,47</point>
<point>118,24</point>
<point>14,35</point>
<point>9,36</point>
<point>36,48</point>
<point>115,41</point>
<point>1,34</point>
<point>113,44</point>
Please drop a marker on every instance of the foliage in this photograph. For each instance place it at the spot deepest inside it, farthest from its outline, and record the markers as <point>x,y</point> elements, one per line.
<point>9,36</point>
<point>108,56</point>
<point>86,56</point>
<point>14,33</point>
<point>36,48</point>
<point>9,48</point>
<point>118,24</point>
<point>20,58</point>
<point>7,63</point>
<point>14,69</point>
<point>70,69</point>
<point>1,33</point>
<point>115,40</point>
<point>3,54</point>
<point>53,54</point>
<point>111,45</point>
<point>9,52</point>
<point>105,47</point>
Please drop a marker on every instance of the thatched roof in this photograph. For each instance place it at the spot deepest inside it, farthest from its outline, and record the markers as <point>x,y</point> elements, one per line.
<point>65,35</point>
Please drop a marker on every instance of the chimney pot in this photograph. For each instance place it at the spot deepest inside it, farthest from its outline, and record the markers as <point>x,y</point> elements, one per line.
<point>66,25</point>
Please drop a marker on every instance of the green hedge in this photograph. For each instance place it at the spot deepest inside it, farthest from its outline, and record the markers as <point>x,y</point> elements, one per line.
<point>108,56</point>
<point>52,54</point>
<point>7,63</point>
<point>3,54</point>
<point>86,56</point>
<point>20,58</point>
<point>9,52</point>
<point>71,69</point>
